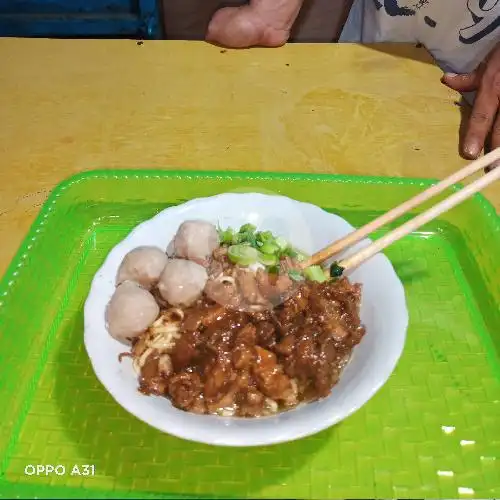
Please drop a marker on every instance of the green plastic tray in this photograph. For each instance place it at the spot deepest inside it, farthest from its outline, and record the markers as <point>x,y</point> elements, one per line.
<point>432,431</point>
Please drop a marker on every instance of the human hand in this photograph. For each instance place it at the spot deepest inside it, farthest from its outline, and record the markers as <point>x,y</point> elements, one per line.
<point>264,23</point>
<point>485,116</point>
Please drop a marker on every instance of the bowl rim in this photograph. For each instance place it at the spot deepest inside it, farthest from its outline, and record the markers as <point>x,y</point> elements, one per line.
<point>327,422</point>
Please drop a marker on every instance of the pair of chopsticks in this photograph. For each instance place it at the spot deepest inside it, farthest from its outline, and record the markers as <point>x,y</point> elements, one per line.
<point>366,253</point>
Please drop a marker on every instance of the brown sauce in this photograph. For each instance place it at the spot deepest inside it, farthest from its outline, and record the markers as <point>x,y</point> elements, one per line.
<point>258,345</point>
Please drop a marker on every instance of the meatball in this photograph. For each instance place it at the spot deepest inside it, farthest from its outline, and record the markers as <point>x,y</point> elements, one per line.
<point>171,249</point>
<point>182,282</point>
<point>143,265</point>
<point>131,311</point>
<point>196,240</point>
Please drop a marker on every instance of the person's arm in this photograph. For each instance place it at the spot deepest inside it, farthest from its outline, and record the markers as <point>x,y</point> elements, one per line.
<point>261,23</point>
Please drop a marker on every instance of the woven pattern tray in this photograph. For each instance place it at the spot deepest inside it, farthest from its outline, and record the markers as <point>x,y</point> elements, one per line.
<point>432,431</point>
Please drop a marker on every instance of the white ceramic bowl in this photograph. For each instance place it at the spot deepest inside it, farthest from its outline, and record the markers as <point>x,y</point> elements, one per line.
<point>383,312</point>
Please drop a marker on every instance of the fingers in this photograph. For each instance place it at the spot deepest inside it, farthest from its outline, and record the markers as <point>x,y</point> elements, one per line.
<point>217,27</point>
<point>274,38</point>
<point>231,27</point>
<point>495,141</point>
<point>258,23</point>
<point>480,122</point>
<point>484,122</point>
<point>495,135</point>
<point>462,83</point>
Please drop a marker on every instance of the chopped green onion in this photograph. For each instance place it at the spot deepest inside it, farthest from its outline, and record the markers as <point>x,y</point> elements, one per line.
<point>281,243</point>
<point>243,255</point>
<point>336,271</point>
<point>251,240</point>
<point>301,256</point>
<point>247,228</point>
<point>264,236</point>
<point>244,238</point>
<point>226,236</point>
<point>263,242</point>
<point>269,248</point>
<point>295,254</point>
<point>295,275</point>
<point>268,259</point>
<point>315,273</point>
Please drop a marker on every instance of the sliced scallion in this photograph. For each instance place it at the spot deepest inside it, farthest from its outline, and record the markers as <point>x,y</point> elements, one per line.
<point>244,255</point>
<point>226,236</point>
<point>281,243</point>
<point>295,254</point>
<point>247,228</point>
<point>264,236</point>
<point>269,248</point>
<point>315,273</point>
<point>301,256</point>
<point>268,259</point>
<point>244,238</point>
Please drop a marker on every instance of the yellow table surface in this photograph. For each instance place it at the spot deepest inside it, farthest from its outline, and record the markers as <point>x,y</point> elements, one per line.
<point>72,105</point>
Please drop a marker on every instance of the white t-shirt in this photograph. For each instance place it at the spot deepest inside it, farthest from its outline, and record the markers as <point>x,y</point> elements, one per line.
<point>458,33</point>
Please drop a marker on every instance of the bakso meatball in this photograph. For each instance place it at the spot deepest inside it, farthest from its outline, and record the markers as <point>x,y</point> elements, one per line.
<point>182,282</point>
<point>143,265</point>
<point>171,249</point>
<point>196,240</point>
<point>131,311</point>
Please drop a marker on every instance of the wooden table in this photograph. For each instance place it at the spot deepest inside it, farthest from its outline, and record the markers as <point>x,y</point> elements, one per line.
<point>72,105</point>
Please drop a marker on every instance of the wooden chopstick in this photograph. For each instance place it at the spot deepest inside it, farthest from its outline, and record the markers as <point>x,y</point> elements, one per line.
<point>356,236</point>
<point>358,258</point>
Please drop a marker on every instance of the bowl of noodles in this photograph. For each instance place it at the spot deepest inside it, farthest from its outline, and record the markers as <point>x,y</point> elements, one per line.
<point>205,323</point>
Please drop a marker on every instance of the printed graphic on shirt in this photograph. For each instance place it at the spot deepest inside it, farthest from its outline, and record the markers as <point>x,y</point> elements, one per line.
<point>482,16</point>
<point>394,9</point>
<point>430,22</point>
<point>483,23</point>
